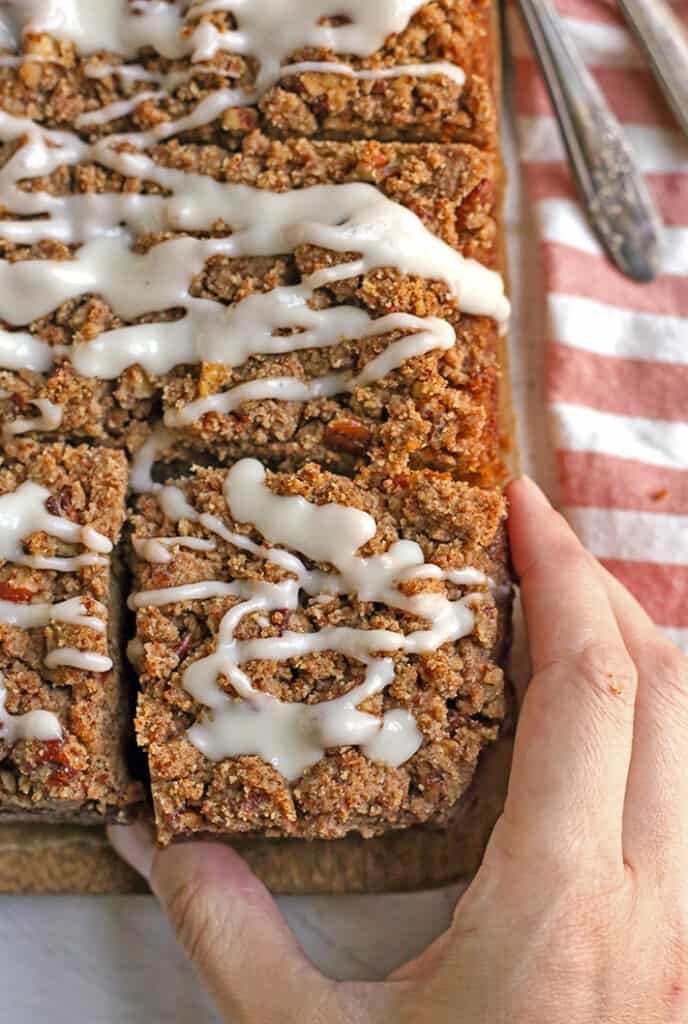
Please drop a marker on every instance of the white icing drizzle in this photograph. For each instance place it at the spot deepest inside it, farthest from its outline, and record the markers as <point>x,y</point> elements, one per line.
<point>339,217</point>
<point>50,419</point>
<point>428,70</point>
<point>20,350</point>
<point>73,612</point>
<point>174,505</point>
<point>294,736</point>
<point>203,591</point>
<point>467,576</point>
<point>155,549</point>
<point>114,110</point>
<point>396,739</point>
<point>355,215</point>
<point>141,468</point>
<point>18,61</point>
<point>95,541</point>
<point>34,725</point>
<point>437,335</point>
<point>169,81</point>
<point>86,661</point>
<point>111,25</point>
<point>23,512</point>
<point>272,31</point>
<point>33,616</point>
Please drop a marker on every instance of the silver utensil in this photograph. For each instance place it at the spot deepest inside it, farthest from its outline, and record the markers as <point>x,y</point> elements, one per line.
<point>665,42</point>
<point>618,204</point>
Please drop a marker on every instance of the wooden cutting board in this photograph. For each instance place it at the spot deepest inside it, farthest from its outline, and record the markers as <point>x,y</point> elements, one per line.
<point>68,859</point>
<point>61,859</point>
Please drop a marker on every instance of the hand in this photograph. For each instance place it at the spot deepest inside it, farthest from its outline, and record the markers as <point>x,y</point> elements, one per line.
<point>579,912</point>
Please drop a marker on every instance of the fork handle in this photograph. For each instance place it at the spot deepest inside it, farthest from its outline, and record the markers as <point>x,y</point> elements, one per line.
<point>664,39</point>
<point>613,191</point>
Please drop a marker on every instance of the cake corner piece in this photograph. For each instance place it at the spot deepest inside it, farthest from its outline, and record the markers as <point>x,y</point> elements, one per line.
<point>64,704</point>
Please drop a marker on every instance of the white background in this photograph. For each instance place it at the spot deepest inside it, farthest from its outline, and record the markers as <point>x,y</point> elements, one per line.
<point>113,960</point>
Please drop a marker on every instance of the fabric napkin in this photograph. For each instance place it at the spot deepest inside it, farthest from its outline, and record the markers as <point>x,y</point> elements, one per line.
<point>616,352</point>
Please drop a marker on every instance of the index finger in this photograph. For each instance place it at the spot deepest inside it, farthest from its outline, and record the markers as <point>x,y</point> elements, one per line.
<point>565,602</point>
<point>574,739</point>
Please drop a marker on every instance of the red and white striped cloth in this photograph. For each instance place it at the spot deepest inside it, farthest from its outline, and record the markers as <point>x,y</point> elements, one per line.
<point>617,352</point>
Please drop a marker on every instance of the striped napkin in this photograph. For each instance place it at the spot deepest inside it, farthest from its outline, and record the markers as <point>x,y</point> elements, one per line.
<point>617,352</point>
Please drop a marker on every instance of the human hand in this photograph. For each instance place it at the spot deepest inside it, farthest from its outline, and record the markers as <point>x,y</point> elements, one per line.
<point>579,912</point>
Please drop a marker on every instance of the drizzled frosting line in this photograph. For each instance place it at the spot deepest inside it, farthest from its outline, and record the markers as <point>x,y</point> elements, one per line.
<point>34,725</point>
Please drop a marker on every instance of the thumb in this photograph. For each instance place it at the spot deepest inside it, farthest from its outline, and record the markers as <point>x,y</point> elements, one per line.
<point>229,926</point>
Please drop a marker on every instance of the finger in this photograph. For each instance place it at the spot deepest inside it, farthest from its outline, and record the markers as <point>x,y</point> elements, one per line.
<point>574,739</point>
<point>656,811</point>
<point>565,602</point>
<point>229,926</point>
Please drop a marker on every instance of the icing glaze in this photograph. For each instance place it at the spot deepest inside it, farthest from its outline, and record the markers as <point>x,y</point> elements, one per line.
<point>155,549</point>
<point>50,418</point>
<point>23,512</point>
<point>86,661</point>
<point>32,616</point>
<point>34,725</point>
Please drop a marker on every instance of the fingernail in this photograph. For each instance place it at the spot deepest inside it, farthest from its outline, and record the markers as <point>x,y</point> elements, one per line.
<point>134,844</point>
<point>536,493</point>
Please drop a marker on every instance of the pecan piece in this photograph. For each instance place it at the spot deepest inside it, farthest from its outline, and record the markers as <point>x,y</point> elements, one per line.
<point>349,435</point>
<point>19,595</point>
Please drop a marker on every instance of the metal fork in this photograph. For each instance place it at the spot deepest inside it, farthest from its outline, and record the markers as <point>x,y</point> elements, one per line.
<point>618,204</point>
<point>665,42</point>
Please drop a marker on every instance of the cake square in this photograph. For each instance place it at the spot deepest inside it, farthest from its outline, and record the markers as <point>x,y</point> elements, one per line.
<point>317,654</point>
<point>64,703</point>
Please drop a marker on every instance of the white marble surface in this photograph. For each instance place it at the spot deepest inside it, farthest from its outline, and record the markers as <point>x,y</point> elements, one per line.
<point>113,960</point>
